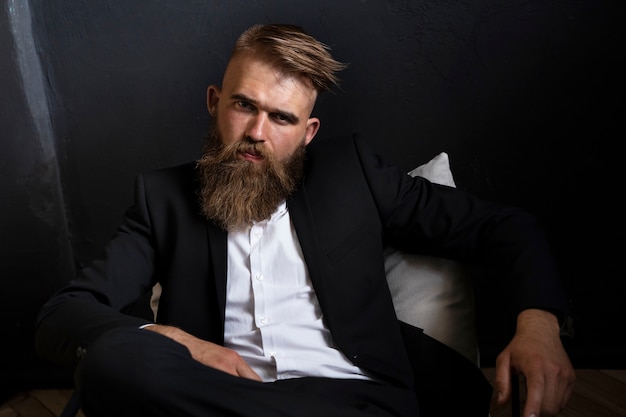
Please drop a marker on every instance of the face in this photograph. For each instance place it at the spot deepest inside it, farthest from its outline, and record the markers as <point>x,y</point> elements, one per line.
<point>258,102</point>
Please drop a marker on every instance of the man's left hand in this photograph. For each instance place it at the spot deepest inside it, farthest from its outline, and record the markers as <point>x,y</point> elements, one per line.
<point>536,352</point>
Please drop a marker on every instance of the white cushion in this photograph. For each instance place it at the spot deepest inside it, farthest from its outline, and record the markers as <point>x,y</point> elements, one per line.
<point>434,293</point>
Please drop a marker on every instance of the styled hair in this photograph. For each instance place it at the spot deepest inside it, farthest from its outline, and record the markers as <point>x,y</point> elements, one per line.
<point>292,51</point>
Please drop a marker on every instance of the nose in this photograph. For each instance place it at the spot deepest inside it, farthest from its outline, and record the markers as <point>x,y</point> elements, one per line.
<point>256,127</point>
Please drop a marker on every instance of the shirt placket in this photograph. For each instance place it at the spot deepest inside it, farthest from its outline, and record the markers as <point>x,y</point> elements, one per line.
<point>261,294</point>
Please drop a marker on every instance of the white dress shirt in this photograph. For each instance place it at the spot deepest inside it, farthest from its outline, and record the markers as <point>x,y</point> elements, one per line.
<point>273,317</point>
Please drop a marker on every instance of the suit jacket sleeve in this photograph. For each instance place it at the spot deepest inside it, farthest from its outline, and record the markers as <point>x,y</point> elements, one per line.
<point>419,216</point>
<point>91,304</point>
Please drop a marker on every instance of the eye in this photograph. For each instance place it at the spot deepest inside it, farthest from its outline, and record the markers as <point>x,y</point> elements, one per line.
<point>283,118</point>
<point>244,105</point>
<point>280,117</point>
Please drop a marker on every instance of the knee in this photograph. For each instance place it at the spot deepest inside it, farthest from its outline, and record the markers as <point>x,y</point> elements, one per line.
<point>110,360</point>
<point>124,363</point>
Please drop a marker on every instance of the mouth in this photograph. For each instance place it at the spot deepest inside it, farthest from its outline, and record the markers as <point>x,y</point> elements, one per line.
<point>251,156</point>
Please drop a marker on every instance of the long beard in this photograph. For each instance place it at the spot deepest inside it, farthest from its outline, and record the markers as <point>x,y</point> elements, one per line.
<point>235,192</point>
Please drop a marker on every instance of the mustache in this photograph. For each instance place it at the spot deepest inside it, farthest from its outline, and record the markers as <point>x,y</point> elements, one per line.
<point>228,153</point>
<point>247,145</point>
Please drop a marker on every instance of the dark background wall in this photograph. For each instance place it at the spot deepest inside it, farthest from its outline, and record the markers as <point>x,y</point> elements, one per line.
<point>525,96</point>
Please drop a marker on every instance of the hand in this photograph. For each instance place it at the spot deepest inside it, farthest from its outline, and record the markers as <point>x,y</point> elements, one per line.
<point>537,353</point>
<point>207,353</point>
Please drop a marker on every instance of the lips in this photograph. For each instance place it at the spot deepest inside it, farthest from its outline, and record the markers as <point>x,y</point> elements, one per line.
<point>251,156</point>
<point>251,153</point>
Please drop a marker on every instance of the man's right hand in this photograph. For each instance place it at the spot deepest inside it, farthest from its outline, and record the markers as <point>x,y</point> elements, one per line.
<point>207,353</point>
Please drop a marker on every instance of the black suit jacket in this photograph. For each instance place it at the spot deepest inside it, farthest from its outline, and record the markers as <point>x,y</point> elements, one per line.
<point>347,208</point>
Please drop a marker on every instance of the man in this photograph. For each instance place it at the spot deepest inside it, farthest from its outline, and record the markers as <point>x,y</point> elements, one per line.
<point>269,253</point>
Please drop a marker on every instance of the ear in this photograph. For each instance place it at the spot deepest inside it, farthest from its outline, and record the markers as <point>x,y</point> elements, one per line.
<point>312,126</point>
<point>212,98</point>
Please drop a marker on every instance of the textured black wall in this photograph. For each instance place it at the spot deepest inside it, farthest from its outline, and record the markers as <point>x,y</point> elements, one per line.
<point>34,246</point>
<point>525,96</point>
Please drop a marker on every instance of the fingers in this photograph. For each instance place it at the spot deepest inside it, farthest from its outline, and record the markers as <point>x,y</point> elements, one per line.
<point>245,371</point>
<point>231,362</point>
<point>503,379</point>
<point>548,393</point>
<point>535,397</point>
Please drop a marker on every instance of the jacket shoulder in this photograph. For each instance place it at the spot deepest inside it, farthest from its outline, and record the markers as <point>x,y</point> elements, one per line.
<point>184,172</point>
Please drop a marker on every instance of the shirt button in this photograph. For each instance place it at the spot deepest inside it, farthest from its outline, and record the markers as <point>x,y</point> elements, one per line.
<point>263,320</point>
<point>259,277</point>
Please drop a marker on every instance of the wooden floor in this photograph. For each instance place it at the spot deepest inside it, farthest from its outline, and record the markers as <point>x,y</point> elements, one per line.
<point>598,393</point>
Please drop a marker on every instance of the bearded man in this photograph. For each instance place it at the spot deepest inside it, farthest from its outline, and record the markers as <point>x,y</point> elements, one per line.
<point>269,253</point>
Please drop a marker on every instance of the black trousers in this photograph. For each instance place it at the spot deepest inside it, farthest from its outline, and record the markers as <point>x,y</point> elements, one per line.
<point>133,372</point>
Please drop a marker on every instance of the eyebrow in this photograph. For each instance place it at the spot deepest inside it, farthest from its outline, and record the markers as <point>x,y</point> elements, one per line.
<point>285,114</point>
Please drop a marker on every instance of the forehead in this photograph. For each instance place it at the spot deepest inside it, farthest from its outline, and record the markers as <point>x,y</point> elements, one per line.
<point>252,76</point>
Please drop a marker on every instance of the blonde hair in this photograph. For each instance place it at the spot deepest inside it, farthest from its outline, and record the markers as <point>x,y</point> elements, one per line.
<point>292,51</point>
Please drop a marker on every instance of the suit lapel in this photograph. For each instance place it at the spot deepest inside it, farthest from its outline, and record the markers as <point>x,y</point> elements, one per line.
<point>217,250</point>
<point>304,223</point>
